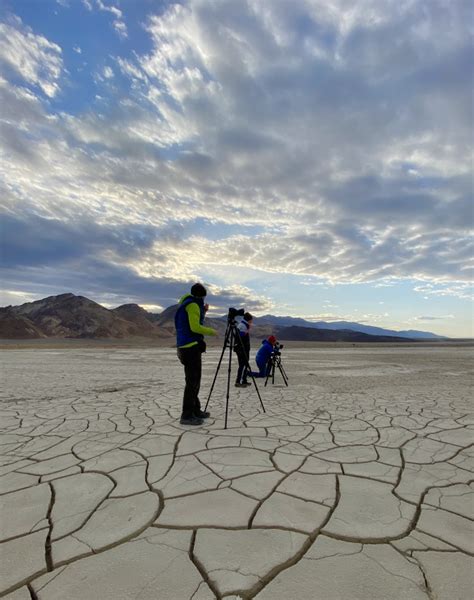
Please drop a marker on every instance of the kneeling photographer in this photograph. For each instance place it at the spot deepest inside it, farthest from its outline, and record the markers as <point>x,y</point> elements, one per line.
<point>242,349</point>
<point>263,357</point>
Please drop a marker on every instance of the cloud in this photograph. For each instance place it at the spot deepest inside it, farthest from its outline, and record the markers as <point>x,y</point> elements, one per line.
<point>121,29</point>
<point>116,12</point>
<point>461,290</point>
<point>34,240</point>
<point>430,318</point>
<point>108,72</point>
<point>118,22</point>
<point>100,261</point>
<point>115,284</point>
<point>37,60</point>
<point>341,136</point>
<point>15,298</point>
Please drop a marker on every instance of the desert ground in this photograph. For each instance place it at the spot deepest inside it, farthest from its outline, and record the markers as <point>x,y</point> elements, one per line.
<point>356,483</point>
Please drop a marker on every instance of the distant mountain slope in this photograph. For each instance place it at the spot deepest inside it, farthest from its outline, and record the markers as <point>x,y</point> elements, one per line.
<point>18,327</point>
<point>346,325</point>
<point>165,318</point>
<point>312,334</point>
<point>71,316</point>
<point>372,330</point>
<point>135,314</point>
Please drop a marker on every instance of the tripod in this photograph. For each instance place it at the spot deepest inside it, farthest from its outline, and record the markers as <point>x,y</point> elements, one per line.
<point>231,335</point>
<point>275,361</point>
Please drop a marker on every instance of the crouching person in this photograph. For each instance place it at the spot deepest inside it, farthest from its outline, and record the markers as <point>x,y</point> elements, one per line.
<point>190,334</point>
<point>263,356</point>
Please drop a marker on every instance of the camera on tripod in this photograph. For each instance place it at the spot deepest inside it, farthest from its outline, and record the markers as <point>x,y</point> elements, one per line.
<point>235,312</point>
<point>233,341</point>
<point>274,362</point>
<point>277,348</point>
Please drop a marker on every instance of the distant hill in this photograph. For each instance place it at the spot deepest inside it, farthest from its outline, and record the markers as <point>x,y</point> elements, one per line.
<point>71,316</point>
<point>312,334</point>
<point>18,327</point>
<point>347,325</point>
<point>166,318</point>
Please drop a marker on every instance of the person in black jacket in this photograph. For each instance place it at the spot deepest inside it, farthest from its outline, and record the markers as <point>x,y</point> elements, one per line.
<point>242,349</point>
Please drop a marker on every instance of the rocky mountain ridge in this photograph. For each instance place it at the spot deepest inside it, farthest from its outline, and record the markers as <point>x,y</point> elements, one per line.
<point>348,325</point>
<point>72,316</point>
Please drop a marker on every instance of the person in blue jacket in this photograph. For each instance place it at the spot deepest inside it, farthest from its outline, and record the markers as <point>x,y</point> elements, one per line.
<point>263,356</point>
<point>190,334</point>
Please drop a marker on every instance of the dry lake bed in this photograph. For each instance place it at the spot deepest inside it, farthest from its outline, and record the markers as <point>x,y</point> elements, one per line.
<point>356,483</point>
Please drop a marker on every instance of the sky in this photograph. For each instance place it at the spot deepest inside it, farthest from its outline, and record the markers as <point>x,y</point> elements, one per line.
<point>310,158</point>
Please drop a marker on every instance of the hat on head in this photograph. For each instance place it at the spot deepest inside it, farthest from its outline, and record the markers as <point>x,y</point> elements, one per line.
<point>272,339</point>
<point>198,290</point>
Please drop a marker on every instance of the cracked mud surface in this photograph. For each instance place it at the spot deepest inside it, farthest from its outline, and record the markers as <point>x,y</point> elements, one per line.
<point>357,482</point>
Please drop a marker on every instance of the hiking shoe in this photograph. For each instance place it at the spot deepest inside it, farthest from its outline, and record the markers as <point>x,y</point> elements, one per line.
<point>239,384</point>
<point>203,414</point>
<point>246,383</point>
<point>191,421</point>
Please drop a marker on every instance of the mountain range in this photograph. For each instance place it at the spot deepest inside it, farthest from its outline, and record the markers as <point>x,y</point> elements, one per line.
<point>344,325</point>
<point>71,316</point>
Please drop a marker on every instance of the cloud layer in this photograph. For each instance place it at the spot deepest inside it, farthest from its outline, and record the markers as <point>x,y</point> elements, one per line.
<point>340,135</point>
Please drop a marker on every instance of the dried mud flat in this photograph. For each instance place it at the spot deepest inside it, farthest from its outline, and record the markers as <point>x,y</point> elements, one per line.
<point>357,482</point>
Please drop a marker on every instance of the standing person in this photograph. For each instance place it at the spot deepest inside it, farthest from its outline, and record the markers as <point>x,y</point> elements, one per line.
<point>190,334</point>
<point>263,356</point>
<point>243,350</point>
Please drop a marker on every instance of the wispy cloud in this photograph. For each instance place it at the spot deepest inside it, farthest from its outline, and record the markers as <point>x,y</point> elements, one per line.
<point>108,72</point>
<point>34,58</point>
<point>120,28</point>
<point>462,290</point>
<point>432,318</point>
<point>118,22</point>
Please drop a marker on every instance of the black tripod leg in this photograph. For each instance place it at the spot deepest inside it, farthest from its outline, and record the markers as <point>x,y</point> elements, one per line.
<point>231,344</point>
<point>269,370</point>
<point>227,333</point>
<point>247,366</point>
<point>283,374</point>
<point>256,388</point>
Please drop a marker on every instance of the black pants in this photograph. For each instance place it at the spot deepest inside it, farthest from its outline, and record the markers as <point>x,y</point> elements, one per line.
<point>242,372</point>
<point>191,359</point>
